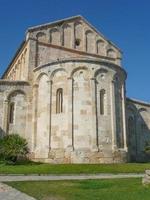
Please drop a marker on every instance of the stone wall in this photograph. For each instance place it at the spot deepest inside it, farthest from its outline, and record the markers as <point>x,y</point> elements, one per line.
<point>77,35</point>
<point>79,133</point>
<point>71,106</point>
<point>138,129</point>
<point>19,122</point>
<point>18,69</point>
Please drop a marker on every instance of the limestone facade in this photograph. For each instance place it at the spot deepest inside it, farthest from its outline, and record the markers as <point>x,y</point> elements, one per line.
<point>64,91</point>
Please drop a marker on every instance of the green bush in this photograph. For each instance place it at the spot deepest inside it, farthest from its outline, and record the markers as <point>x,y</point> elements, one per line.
<point>12,148</point>
<point>147,148</point>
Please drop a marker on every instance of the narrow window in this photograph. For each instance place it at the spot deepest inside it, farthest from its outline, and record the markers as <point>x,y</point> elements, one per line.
<point>59,100</point>
<point>102,99</point>
<point>11,113</point>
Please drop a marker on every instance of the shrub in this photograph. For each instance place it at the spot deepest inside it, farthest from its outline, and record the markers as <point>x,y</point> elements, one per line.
<point>147,148</point>
<point>12,148</point>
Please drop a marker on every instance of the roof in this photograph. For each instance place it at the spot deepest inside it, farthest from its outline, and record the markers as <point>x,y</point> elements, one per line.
<point>138,101</point>
<point>12,60</point>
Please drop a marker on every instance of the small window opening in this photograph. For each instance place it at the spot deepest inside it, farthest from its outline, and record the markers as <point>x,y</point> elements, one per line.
<point>77,42</point>
<point>11,113</point>
<point>59,100</point>
<point>102,99</point>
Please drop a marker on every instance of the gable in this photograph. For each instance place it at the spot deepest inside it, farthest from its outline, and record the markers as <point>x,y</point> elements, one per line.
<point>75,33</point>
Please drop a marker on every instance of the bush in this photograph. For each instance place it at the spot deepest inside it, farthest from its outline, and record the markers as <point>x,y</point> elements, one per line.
<point>12,148</point>
<point>147,148</point>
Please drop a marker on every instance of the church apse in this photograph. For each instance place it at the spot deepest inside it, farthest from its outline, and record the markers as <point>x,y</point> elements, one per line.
<point>64,91</point>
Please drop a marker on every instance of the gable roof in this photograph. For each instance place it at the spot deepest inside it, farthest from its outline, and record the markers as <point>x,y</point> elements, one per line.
<point>59,22</point>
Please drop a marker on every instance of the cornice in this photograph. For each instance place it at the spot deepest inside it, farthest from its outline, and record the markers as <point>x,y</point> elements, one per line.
<point>85,60</point>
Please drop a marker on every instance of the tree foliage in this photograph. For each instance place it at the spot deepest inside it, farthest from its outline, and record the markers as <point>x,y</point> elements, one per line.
<point>12,148</point>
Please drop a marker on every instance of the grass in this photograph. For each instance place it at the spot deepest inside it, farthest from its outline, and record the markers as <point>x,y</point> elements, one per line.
<point>38,168</point>
<point>118,189</point>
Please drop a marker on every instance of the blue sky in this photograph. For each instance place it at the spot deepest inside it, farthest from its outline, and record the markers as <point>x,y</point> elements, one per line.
<point>125,22</point>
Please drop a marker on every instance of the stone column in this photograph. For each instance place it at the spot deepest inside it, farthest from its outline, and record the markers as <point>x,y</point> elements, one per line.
<point>70,113</point>
<point>124,117</point>
<point>113,116</point>
<point>49,111</point>
<point>35,107</point>
<point>5,116</point>
<point>95,144</point>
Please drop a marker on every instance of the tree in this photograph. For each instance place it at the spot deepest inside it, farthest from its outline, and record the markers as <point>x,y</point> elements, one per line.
<point>13,147</point>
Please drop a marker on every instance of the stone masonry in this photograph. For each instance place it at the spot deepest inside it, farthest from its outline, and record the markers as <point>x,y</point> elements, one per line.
<point>64,91</point>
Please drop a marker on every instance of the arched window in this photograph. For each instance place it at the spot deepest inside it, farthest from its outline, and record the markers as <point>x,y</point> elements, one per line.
<point>102,102</point>
<point>59,100</point>
<point>11,113</point>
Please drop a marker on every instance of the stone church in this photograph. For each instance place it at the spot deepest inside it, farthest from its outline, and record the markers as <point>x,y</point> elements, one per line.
<point>64,91</point>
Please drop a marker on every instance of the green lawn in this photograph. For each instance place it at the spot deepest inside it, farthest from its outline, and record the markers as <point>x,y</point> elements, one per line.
<point>120,189</point>
<point>32,168</point>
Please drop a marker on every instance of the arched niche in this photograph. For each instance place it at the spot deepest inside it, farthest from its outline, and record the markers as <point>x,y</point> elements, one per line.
<point>67,36</point>
<point>90,41</point>
<point>78,36</point>
<point>41,37</point>
<point>132,137</point>
<point>59,110</point>
<point>144,116</point>
<point>42,121</point>
<point>82,109</point>
<point>38,77</point>
<point>55,36</point>
<point>101,75</point>
<point>59,79</point>
<point>100,47</point>
<point>118,97</point>
<point>103,109</point>
<point>17,110</point>
<point>111,53</point>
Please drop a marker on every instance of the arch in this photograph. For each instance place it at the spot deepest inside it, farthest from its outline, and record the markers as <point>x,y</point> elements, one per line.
<point>99,71</point>
<point>132,138</point>
<point>116,77</point>
<point>41,36</point>
<point>142,110</point>
<point>55,36</point>
<point>59,100</point>
<point>57,70</point>
<point>90,41</point>
<point>78,35</point>
<point>100,47</point>
<point>14,92</point>
<point>16,112</point>
<point>132,110</point>
<point>82,102</point>
<point>67,36</point>
<point>131,124</point>
<point>39,77</point>
<point>144,116</point>
<point>111,53</point>
<point>77,69</point>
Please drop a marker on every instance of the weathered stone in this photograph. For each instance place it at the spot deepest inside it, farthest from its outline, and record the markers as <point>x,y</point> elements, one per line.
<point>67,86</point>
<point>146,178</point>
